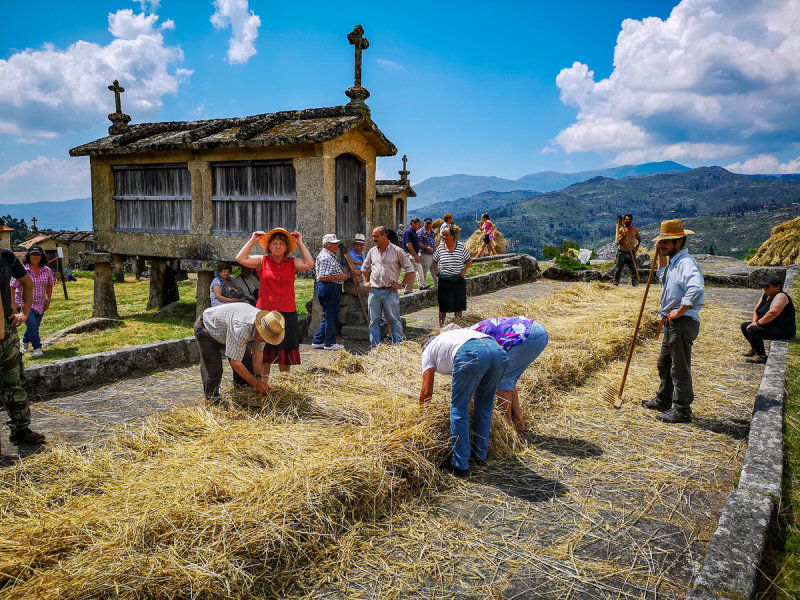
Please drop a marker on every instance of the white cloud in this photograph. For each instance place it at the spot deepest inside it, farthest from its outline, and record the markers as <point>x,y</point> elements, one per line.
<point>50,91</point>
<point>389,63</point>
<point>148,5</point>
<point>765,163</point>
<point>244,24</point>
<point>548,150</point>
<point>715,78</point>
<point>45,178</point>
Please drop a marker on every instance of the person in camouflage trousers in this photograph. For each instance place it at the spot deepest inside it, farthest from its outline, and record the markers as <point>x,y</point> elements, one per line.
<point>15,400</point>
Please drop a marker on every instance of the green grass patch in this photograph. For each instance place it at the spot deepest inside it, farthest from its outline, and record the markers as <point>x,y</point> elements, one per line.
<point>780,579</point>
<point>485,267</point>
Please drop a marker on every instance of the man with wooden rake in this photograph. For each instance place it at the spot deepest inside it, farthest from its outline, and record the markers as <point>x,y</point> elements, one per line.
<point>682,297</point>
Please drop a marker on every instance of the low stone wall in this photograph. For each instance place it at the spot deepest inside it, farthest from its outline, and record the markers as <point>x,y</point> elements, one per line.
<point>73,373</point>
<point>730,567</point>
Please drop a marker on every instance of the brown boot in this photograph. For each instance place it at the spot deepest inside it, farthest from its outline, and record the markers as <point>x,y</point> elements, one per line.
<point>758,359</point>
<point>26,436</point>
<point>750,352</point>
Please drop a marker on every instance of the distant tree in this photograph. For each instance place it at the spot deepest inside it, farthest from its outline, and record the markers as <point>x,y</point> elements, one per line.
<point>20,230</point>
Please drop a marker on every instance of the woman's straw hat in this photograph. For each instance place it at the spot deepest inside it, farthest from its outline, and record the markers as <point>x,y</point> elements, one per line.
<point>264,240</point>
<point>672,230</point>
<point>270,325</point>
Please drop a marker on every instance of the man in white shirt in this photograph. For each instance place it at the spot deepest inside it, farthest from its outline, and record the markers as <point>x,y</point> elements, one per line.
<point>477,363</point>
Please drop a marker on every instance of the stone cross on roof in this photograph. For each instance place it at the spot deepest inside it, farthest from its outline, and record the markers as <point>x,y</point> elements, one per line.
<point>357,94</point>
<point>119,120</point>
<point>34,224</point>
<point>405,172</point>
<point>117,89</point>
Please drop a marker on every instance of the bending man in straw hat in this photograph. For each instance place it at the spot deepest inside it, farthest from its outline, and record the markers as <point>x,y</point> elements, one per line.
<point>231,327</point>
<point>681,300</point>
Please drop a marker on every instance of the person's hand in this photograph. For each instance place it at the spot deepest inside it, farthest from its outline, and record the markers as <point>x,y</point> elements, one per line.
<point>257,234</point>
<point>298,237</point>
<point>749,325</point>
<point>418,259</point>
<point>46,305</point>
<point>19,318</point>
<point>262,386</point>
<point>423,401</point>
<point>396,286</point>
<point>367,284</point>
<point>463,273</point>
<point>673,314</point>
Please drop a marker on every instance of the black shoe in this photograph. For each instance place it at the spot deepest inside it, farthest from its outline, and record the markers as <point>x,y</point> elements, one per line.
<point>656,404</point>
<point>26,436</point>
<point>477,461</point>
<point>448,466</point>
<point>675,415</point>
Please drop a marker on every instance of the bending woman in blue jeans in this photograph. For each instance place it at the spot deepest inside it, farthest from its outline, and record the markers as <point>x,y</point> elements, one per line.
<point>523,340</point>
<point>477,363</point>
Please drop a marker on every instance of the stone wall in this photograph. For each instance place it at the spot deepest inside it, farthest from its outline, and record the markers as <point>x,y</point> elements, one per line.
<point>730,568</point>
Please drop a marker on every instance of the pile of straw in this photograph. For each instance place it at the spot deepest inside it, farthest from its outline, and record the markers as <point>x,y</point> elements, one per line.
<point>437,224</point>
<point>475,241</point>
<point>263,497</point>
<point>782,247</point>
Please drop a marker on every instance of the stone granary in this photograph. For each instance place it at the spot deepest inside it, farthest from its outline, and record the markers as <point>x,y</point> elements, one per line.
<point>195,190</point>
<point>391,203</point>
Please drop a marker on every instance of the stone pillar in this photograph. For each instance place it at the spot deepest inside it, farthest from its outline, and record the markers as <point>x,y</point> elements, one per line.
<point>105,300</point>
<point>138,268</point>
<point>203,293</point>
<point>118,270</point>
<point>157,269</point>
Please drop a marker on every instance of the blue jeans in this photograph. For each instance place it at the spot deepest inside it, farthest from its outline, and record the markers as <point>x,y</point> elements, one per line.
<point>329,294</point>
<point>32,329</point>
<point>478,366</point>
<point>522,355</point>
<point>378,302</point>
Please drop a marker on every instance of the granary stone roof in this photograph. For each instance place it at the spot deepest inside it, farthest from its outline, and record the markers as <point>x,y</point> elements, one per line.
<point>313,125</point>
<point>391,187</point>
<point>59,236</point>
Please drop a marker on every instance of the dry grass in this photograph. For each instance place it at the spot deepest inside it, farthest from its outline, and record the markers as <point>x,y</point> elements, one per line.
<point>475,242</point>
<point>782,247</point>
<point>330,483</point>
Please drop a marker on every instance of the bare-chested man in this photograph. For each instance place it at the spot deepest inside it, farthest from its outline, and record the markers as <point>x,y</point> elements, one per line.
<point>628,241</point>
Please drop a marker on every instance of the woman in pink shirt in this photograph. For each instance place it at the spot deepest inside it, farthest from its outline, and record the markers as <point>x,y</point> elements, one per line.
<point>43,280</point>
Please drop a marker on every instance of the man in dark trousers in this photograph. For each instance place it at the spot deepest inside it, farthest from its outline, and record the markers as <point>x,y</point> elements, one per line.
<point>682,297</point>
<point>231,328</point>
<point>628,242</point>
<point>15,400</point>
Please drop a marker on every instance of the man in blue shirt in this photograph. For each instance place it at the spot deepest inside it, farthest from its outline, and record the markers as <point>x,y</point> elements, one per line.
<point>411,247</point>
<point>682,297</point>
<point>356,253</point>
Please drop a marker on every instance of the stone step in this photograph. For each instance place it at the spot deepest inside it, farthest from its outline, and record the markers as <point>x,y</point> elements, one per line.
<point>361,332</point>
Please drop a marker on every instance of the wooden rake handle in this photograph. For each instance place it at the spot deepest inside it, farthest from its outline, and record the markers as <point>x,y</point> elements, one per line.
<point>636,329</point>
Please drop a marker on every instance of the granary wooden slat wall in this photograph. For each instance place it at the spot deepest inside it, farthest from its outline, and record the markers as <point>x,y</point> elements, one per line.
<point>254,195</point>
<point>153,198</point>
<point>350,182</point>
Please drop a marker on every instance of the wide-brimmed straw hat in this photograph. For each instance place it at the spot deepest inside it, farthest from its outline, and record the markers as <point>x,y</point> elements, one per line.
<point>270,325</point>
<point>672,230</point>
<point>264,240</point>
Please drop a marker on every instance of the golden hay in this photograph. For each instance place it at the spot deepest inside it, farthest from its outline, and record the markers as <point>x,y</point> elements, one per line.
<point>274,494</point>
<point>475,241</point>
<point>782,247</point>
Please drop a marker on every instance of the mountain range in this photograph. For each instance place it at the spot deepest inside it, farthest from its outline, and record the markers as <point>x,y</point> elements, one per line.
<point>68,214</point>
<point>453,187</point>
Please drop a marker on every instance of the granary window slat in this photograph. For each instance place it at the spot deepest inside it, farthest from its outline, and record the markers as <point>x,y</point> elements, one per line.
<point>153,198</point>
<point>253,195</point>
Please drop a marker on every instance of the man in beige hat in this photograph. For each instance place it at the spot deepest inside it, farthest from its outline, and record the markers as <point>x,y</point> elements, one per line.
<point>682,297</point>
<point>231,328</point>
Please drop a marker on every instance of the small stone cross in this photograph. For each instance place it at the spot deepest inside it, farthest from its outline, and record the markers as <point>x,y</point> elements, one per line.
<point>117,89</point>
<point>405,160</point>
<point>34,222</point>
<point>357,39</point>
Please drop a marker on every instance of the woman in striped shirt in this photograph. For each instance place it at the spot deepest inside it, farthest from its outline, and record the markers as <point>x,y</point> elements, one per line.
<point>451,259</point>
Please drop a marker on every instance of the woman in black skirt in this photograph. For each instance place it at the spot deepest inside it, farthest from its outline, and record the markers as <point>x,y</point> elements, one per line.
<point>451,259</point>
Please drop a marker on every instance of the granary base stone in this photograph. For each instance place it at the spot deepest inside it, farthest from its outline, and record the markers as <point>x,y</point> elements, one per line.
<point>105,299</point>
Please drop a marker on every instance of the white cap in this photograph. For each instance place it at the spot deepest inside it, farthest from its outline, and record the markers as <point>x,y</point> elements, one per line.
<point>330,238</point>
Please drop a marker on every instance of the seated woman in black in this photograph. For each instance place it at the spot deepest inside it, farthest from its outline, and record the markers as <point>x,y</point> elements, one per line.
<point>773,319</point>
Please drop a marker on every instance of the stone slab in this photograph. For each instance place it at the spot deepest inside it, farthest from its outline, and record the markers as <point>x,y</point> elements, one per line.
<point>696,594</point>
<point>730,565</point>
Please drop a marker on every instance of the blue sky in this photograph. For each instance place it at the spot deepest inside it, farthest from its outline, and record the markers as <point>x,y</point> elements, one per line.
<point>504,88</point>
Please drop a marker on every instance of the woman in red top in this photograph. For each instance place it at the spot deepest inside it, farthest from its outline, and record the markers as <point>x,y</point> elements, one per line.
<point>276,273</point>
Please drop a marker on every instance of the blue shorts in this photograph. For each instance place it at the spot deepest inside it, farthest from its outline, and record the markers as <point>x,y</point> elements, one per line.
<point>522,355</point>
